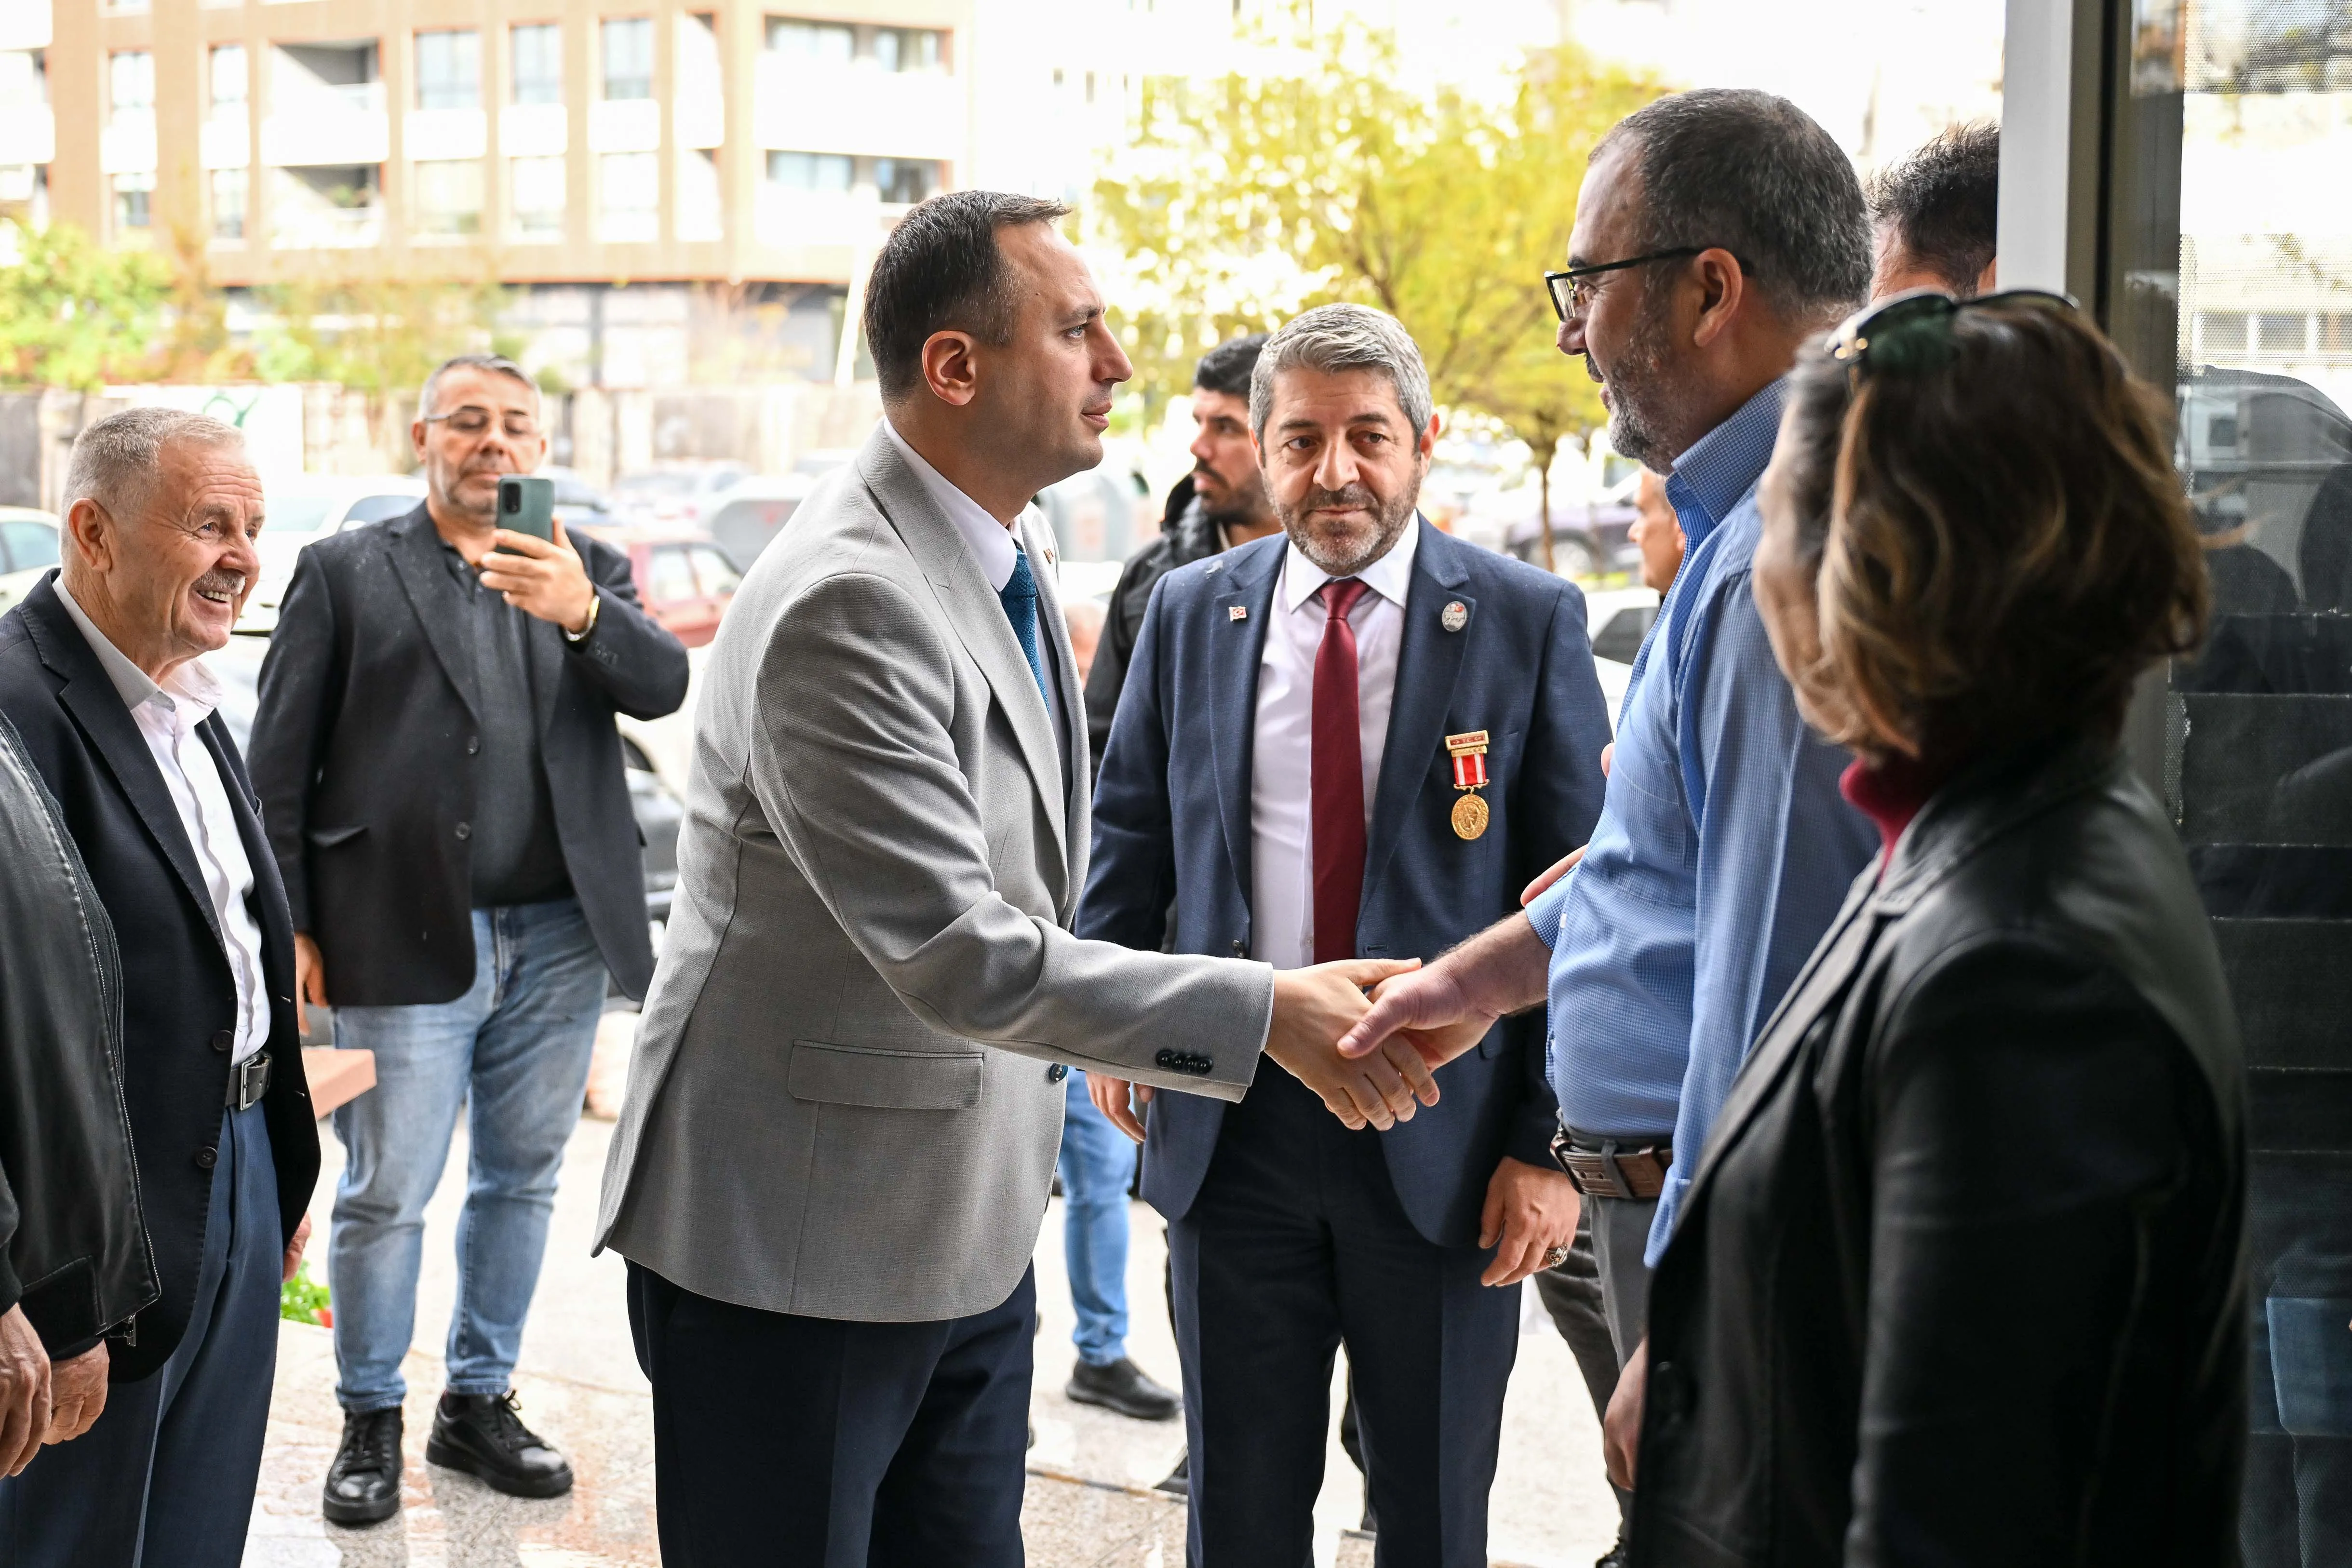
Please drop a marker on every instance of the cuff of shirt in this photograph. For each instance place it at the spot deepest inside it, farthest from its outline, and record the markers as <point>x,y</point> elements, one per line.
<point>1544,913</point>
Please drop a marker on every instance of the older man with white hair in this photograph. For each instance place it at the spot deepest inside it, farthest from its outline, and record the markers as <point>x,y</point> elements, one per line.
<point>100,671</point>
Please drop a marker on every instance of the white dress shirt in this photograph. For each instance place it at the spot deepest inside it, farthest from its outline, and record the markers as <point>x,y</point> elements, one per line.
<point>167,717</point>
<point>1281,794</point>
<point>993,545</point>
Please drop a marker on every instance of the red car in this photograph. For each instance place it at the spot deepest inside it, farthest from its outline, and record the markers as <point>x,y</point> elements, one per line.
<point>685,580</point>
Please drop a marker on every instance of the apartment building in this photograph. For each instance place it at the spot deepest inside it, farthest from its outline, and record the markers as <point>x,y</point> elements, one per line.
<point>564,146</point>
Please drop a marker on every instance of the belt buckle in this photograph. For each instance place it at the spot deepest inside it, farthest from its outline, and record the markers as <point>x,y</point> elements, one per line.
<point>248,1081</point>
<point>1594,1171</point>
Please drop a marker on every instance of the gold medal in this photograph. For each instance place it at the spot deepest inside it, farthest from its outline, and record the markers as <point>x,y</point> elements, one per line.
<point>1469,816</point>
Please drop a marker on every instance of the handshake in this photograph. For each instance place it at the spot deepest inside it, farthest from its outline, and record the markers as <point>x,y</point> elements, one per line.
<point>1362,1036</point>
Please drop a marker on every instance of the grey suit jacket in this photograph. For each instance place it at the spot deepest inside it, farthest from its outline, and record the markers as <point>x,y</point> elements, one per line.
<point>840,1104</point>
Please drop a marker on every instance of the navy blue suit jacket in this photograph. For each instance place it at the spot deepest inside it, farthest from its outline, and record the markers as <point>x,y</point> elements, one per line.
<point>1171,825</point>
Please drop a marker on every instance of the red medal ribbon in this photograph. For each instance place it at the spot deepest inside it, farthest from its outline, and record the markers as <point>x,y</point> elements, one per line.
<point>1469,770</point>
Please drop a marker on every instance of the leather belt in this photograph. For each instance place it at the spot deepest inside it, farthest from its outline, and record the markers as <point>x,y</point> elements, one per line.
<point>1602,1167</point>
<point>248,1081</point>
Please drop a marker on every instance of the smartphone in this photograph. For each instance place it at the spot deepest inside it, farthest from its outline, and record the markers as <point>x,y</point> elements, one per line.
<point>527,505</point>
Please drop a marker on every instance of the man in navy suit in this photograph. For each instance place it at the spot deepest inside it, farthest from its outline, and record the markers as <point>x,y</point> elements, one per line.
<point>1360,740</point>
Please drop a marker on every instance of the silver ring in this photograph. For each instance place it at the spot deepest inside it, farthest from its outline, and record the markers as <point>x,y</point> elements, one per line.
<point>1555,1257</point>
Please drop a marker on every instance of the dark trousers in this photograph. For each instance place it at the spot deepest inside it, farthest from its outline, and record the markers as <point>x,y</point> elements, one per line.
<point>1295,1244</point>
<point>1571,1294</point>
<point>165,1478</point>
<point>2297,1509</point>
<point>797,1442</point>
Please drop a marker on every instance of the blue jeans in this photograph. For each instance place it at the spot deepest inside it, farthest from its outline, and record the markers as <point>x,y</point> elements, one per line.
<point>516,1049</point>
<point>1097,1166</point>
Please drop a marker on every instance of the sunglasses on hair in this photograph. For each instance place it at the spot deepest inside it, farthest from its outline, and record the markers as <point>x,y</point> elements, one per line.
<point>1912,333</point>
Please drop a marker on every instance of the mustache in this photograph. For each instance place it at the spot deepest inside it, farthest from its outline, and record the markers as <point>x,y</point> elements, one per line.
<point>229,582</point>
<point>1354,497</point>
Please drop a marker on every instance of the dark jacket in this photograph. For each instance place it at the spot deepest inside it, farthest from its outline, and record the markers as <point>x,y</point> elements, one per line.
<point>1185,536</point>
<point>361,746</point>
<point>73,1246</point>
<point>1172,822</point>
<point>1959,1279</point>
<point>179,998</point>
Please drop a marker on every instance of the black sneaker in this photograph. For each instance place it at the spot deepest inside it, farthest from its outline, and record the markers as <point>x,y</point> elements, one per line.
<point>1179,1482</point>
<point>1122,1387</point>
<point>363,1483</point>
<point>483,1434</point>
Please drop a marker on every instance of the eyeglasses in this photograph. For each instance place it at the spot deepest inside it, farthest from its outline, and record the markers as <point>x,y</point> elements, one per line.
<point>1571,291</point>
<point>1912,333</point>
<point>472,421</point>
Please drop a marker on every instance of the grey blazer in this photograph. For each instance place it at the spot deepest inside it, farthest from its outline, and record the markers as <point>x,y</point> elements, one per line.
<point>840,1104</point>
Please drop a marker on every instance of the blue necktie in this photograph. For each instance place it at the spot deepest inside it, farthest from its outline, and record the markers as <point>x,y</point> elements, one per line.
<point>1019,597</point>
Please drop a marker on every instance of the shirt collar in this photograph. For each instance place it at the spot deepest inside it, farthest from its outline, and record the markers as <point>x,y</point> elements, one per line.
<point>1389,577</point>
<point>991,544</point>
<point>1724,464</point>
<point>190,689</point>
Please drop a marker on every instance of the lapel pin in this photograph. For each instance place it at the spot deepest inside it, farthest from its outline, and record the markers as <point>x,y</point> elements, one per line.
<point>1237,612</point>
<point>1455,616</point>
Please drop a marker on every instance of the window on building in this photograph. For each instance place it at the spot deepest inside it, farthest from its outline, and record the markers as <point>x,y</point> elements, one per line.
<point>326,204</point>
<point>628,57</point>
<point>810,171</point>
<point>2279,334</point>
<point>133,192</point>
<point>537,198</point>
<point>539,63</point>
<point>2224,332</point>
<point>2336,334</point>
<point>628,197</point>
<point>699,213</point>
<point>447,197</point>
<point>131,81</point>
<point>908,49</point>
<point>905,180</point>
<point>230,81</point>
<point>229,191</point>
<point>815,43</point>
<point>449,70</point>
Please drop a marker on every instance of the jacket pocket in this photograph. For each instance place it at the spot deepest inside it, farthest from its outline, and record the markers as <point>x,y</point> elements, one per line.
<point>328,838</point>
<point>886,1079</point>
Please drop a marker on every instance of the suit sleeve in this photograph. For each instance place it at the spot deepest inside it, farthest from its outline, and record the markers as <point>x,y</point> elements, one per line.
<point>1131,874</point>
<point>299,702</point>
<point>2027,1116</point>
<point>640,667</point>
<point>1107,677</point>
<point>854,760</point>
<point>1555,802</point>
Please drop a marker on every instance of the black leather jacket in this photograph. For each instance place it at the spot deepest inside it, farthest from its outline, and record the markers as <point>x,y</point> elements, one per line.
<point>1959,1279</point>
<point>1186,534</point>
<point>73,1247</point>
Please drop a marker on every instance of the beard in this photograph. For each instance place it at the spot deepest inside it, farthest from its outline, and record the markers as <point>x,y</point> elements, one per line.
<point>1643,405</point>
<point>1341,551</point>
<point>1230,502</point>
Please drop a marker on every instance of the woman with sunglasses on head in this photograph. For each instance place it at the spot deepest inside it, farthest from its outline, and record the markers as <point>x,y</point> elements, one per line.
<point>1959,1281</point>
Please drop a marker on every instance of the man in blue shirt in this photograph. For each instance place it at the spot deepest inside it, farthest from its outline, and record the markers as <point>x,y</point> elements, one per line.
<point>1715,231</point>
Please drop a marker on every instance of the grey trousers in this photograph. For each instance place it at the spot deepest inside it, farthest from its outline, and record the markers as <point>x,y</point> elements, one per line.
<point>1620,1232</point>
<point>1571,1295</point>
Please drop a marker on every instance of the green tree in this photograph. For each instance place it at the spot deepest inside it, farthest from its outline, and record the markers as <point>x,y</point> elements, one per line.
<point>1245,199</point>
<point>76,314</point>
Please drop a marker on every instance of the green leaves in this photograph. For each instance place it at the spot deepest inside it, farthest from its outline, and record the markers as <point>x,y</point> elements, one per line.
<point>75,313</point>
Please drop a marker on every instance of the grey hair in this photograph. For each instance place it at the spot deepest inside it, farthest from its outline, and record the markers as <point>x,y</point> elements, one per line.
<point>115,459</point>
<point>497,364</point>
<point>1332,337</point>
<point>1757,176</point>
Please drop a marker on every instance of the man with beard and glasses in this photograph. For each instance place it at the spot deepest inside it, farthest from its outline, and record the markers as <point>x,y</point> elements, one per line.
<point>1220,504</point>
<point>435,687</point>
<point>1360,740</point>
<point>101,672</point>
<point>1716,231</point>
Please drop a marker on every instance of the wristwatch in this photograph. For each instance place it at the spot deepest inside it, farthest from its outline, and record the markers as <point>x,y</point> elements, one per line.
<point>595,604</point>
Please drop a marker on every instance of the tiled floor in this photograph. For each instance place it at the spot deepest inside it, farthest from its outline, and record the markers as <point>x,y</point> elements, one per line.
<point>1088,1505</point>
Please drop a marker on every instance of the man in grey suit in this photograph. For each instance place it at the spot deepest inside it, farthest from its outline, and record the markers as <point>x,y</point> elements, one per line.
<point>846,1100</point>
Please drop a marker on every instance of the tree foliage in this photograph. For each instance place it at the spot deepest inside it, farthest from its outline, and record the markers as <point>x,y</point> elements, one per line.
<point>1245,199</point>
<point>76,314</point>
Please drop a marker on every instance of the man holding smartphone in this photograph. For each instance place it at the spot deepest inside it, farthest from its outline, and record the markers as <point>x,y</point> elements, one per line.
<point>435,685</point>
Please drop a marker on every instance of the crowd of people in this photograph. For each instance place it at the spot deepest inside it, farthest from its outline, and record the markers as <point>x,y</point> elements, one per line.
<point>1835,1039</point>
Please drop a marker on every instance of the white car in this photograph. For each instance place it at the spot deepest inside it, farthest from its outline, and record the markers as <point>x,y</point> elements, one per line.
<point>300,509</point>
<point>1618,619</point>
<point>28,548</point>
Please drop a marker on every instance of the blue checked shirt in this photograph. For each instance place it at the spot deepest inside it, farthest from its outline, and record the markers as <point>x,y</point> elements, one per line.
<point>1723,851</point>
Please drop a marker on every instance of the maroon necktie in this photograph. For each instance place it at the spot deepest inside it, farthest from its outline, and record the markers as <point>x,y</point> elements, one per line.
<point>1337,772</point>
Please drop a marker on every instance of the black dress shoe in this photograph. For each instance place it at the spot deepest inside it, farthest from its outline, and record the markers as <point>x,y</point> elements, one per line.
<point>482,1434</point>
<point>1179,1482</point>
<point>1122,1387</point>
<point>363,1483</point>
<point>1613,1558</point>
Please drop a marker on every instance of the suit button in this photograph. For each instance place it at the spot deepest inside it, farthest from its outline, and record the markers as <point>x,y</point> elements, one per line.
<point>1241,950</point>
<point>1056,1072</point>
<point>207,1157</point>
<point>473,744</point>
<point>223,1040</point>
<point>1165,1058</point>
<point>464,829</point>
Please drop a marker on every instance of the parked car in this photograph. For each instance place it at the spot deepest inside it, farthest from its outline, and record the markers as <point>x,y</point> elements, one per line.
<point>1618,620</point>
<point>656,805</point>
<point>578,501</point>
<point>753,513</point>
<point>300,509</point>
<point>679,493</point>
<point>684,580</point>
<point>28,548</point>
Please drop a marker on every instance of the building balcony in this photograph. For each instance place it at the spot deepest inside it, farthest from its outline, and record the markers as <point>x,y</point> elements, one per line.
<point>625,125</point>
<point>534,131</point>
<point>29,134</point>
<point>340,228</point>
<point>325,127</point>
<point>826,109</point>
<point>435,133</point>
<point>785,216</point>
<point>127,145</point>
<point>226,140</point>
